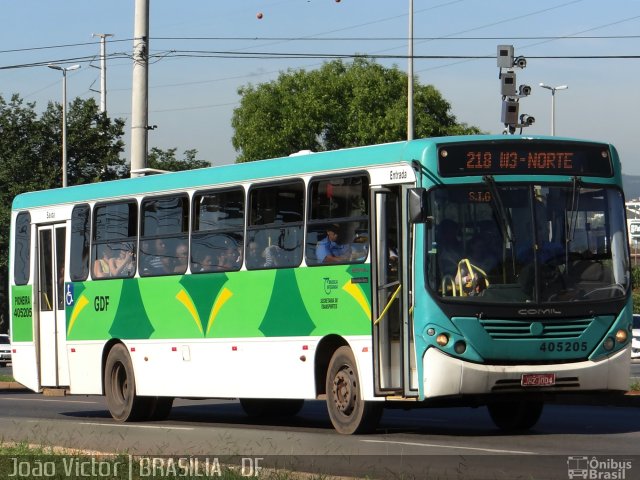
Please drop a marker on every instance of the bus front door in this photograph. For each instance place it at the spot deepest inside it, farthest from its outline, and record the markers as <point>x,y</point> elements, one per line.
<point>391,323</point>
<point>52,353</point>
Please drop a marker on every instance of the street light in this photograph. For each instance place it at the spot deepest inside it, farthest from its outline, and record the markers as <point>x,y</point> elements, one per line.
<point>64,71</point>
<point>553,104</point>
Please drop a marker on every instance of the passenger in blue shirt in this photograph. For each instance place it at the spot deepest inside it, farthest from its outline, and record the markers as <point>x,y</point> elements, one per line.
<point>328,250</point>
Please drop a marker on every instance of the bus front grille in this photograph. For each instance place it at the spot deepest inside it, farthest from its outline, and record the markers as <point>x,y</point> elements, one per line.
<point>535,329</point>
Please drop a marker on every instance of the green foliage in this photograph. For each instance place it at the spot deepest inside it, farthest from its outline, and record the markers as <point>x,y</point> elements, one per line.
<point>166,160</point>
<point>339,105</point>
<point>31,157</point>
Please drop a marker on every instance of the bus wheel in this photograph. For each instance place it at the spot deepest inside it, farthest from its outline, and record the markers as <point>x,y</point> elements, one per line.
<point>120,387</point>
<point>349,413</point>
<point>269,407</point>
<point>160,408</point>
<point>515,415</point>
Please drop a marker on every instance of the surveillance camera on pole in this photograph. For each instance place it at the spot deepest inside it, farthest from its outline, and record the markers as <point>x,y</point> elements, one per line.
<point>510,108</point>
<point>520,62</point>
<point>508,84</point>
<point>526,120</point>
<point>511,95</point>
<point>505,56</point>
<point>524,90</point>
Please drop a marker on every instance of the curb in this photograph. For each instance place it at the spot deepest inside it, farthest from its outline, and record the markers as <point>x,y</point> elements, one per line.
<point>12,386</point>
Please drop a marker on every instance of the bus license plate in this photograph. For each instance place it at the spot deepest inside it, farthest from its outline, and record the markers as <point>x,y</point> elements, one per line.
<point>538,379</point>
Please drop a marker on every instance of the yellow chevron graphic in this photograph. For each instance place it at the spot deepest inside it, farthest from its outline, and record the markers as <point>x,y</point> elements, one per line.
<point>78,307</point>
<point>353,290</point>
<point>184,298</point>
<point>224,295</point>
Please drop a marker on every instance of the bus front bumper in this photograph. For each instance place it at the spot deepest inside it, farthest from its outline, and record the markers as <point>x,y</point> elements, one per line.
<point>446,376</point>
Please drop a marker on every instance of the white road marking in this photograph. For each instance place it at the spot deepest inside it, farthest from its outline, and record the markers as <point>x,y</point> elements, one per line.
<point>432,445</point>
<point>156,427</point>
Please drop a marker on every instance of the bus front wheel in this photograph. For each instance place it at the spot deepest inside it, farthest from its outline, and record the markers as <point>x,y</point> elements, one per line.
<point>515,415</point>
<point>120,387</point>
<point>348,412</point>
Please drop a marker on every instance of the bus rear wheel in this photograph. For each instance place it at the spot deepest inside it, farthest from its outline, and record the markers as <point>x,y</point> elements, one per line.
<point>348,412</point>
<point>270,407</point>
<point>515,415</point>
<point>120,388</point>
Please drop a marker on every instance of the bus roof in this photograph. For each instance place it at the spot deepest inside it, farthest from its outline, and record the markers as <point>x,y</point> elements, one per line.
<point>296,164</point>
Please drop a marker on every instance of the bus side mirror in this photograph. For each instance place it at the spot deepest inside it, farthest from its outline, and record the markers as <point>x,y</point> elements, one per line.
<point>417,205</point>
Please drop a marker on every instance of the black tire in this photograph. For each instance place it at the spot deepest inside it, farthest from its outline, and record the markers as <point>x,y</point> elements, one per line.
<point>515,415</point>
<point>120,388</point>
<point>269,407</point>
<point>348,412</point>
<point>160,408</point>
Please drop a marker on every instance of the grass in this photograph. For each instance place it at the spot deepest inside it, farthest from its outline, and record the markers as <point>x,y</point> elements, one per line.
<point>6,378</point>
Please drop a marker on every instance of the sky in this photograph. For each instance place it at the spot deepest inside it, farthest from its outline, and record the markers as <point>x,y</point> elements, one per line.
<point>192,95</point>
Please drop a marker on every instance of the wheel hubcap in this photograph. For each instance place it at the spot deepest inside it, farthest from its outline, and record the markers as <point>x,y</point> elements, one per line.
<point>344,391</point>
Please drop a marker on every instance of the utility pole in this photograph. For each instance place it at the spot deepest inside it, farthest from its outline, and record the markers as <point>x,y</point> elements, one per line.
<point>140,88</point>
<point>103,69</point>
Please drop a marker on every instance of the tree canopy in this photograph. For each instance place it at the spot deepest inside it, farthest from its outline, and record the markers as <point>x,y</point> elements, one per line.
<point>167,160</point>
<point>336,106</point>
<point>31,155</point>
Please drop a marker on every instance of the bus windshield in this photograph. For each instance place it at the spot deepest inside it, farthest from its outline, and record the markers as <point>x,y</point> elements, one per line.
<point>519,243</point>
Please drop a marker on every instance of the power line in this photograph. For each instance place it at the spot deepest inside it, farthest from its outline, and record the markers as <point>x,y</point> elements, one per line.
<point>342,39</point>
<point>308,55</point>
<point>378,39</point>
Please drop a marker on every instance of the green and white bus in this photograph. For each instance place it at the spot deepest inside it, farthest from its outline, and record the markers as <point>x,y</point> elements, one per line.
<point>479,270</point>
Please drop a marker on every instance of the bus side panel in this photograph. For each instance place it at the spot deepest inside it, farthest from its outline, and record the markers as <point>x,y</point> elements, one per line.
<point>251,368</point>
<point>224,334</point>
<point>85,367</point>
<point>24,357</point>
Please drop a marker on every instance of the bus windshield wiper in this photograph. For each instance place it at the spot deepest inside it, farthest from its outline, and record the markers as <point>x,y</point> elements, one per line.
<point>503,214</point>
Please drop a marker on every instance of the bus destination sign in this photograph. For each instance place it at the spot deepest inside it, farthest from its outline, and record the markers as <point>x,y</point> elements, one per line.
<point>524,158</point>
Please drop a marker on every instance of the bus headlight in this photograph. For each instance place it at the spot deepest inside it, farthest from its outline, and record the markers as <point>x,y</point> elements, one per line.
<point>608,343</point>
<point>621,336</point>
<point>442,339</point>
<point>460,347</point>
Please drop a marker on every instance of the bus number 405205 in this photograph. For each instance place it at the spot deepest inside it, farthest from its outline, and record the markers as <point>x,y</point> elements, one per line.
<point>563,347</point>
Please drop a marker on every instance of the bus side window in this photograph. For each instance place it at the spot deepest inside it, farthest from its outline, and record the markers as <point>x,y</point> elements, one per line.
<point>22,255</point>
<point>218,231</point>
<point>274,233</point>
<point>80,242</point>
<point>164,233</point>
<point>115,229</point>
<point>339,204</point>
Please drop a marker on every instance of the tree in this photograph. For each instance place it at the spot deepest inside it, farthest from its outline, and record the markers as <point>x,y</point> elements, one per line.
<point>30,155</point>
<point>94,142</point>
<point>166,160</point>
<point>339,105</point>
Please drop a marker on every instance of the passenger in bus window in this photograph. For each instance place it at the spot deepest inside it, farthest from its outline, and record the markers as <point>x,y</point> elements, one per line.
<point>181,260</point>
<point>228,259</point>
<point>122,265</point>
<point>102,265</point>
<point>158,263</point>
<point>329,250</point>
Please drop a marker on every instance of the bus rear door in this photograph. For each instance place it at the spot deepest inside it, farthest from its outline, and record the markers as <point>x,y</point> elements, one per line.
<point>51,323</point>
